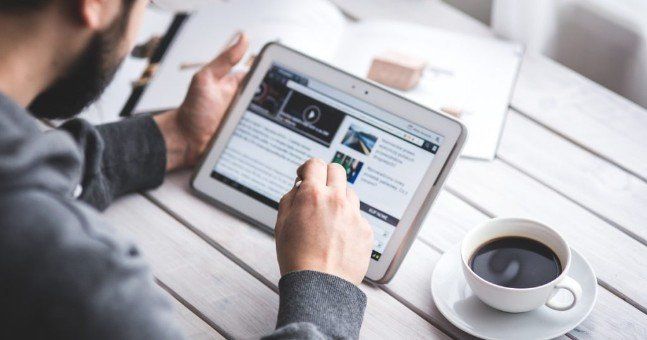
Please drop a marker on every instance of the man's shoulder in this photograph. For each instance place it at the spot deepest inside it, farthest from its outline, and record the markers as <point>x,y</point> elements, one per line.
<point>36,215</point>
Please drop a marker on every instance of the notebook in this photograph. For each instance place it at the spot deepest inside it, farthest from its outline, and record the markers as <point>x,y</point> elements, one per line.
<point>472,75</point>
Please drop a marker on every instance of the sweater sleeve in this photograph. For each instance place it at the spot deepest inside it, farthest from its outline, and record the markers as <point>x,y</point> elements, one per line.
<point>119,158</point>
<point>315,305</point>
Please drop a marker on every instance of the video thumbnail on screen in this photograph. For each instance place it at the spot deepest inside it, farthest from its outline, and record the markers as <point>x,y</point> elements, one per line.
<point>312,117</point>
<point>352,166</point>
<point>269,98</point>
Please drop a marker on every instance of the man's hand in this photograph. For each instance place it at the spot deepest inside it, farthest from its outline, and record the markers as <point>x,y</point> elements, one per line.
<point>188,129</point>
<point>319,226</point>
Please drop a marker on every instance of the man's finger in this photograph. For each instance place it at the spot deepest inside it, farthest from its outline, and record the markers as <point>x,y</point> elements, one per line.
<point>336,176</point>
<point>239,76</point>
<point>229,85</point>
<point>228,58</point>
<point>233,79</point>
<point>353,199</point>
<point>313,171</point>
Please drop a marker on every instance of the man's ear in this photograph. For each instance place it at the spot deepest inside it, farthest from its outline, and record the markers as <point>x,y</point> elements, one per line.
<point>97,14</point>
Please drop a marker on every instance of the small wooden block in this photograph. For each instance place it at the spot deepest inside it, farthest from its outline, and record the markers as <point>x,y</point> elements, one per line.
<point>397,70</point>
<point>456,112</point>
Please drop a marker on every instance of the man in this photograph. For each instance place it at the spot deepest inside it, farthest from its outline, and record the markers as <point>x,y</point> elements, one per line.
<point>63,272</point>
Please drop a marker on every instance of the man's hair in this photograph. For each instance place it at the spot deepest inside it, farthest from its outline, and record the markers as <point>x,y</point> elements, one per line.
<point>21,4</point>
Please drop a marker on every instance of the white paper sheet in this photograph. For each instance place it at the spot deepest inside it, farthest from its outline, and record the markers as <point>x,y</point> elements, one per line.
<point>473,75</point>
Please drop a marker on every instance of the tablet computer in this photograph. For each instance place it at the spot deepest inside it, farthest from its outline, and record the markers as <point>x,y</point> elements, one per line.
<point>396,153</point>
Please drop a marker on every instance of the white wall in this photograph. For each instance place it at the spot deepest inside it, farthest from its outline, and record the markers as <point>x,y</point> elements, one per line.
<point>479,9</point>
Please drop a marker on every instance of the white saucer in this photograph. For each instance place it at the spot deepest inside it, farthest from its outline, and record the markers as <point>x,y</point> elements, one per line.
<point>462,308</point>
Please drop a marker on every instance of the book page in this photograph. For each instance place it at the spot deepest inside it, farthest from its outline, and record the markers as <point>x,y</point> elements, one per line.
<point>472,75</point>
<point>311,26</point>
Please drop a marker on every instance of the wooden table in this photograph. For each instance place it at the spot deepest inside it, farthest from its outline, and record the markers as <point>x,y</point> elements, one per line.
<point>573,155</point>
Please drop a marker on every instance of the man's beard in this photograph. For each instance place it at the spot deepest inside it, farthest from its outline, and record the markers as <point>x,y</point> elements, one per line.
<point>86,79</point>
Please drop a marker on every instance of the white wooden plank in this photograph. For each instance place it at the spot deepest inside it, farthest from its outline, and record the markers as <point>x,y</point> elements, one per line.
<point>227,295</point>
<point>503,191</point>
<point>385,316</point>
<point>595,183</point>
<point>413,284</point>
<point>194,327</point>
<point>583,111</point>
<point>443,229</point>
<point>448,221</point>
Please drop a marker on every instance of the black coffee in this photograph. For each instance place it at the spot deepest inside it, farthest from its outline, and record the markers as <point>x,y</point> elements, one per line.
<point>516,262</point>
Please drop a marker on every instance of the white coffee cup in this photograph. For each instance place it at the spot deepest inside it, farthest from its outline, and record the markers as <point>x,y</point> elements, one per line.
<point>516,300</point>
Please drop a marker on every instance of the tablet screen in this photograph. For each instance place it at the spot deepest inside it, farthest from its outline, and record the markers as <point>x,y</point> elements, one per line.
<point>293,118</point>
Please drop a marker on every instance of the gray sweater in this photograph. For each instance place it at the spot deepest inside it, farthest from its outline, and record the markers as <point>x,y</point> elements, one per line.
<point>65,273</point>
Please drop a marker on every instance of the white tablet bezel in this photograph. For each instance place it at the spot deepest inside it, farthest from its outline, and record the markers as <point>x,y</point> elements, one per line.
<point>454,134</point>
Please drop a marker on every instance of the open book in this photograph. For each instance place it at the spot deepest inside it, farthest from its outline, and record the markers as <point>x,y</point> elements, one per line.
<point>472,75</point>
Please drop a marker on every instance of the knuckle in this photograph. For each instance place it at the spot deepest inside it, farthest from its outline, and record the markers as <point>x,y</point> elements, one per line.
<point>338,197</point>
<point>307,187</point>
<point>338,167</point>
<point>336,203</point>
<point>200,78</point>
<point>314,162</point>
<point>229,57</point>
<point>312,193</point>
<point>309,162</point>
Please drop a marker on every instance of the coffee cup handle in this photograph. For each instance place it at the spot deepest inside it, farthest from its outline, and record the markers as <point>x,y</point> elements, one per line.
<point>572,286</point>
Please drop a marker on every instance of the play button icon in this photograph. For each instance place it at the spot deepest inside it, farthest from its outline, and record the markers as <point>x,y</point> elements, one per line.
<point>311,114</point>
